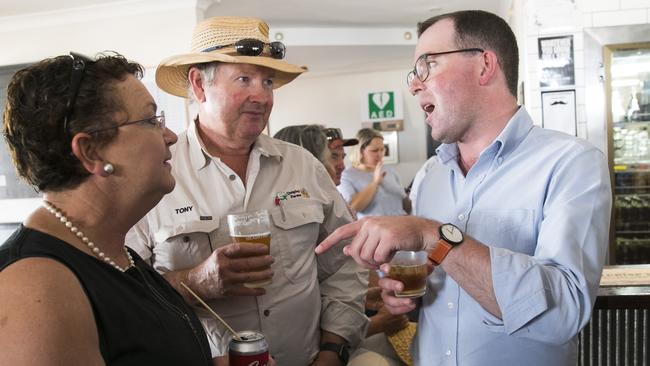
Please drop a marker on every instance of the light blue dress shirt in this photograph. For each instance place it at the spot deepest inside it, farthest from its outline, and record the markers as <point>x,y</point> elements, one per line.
<point>540,200</point>
<point>389,197</point>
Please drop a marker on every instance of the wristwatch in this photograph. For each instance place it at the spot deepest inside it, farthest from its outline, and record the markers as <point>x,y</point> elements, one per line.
<point>450,237</point>
<point>340,349</point>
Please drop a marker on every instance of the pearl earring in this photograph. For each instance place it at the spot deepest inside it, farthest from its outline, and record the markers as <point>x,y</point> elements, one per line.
<point>109,168</point>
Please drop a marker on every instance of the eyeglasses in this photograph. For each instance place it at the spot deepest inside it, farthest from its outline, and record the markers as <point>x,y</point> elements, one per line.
<point>333,134</point>
<point>79,62</point>
<point>155,121</point>
<point>254,47</point>
<point>421,68</point>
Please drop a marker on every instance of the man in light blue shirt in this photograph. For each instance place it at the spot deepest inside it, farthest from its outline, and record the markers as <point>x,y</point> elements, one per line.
<point>515,218</point>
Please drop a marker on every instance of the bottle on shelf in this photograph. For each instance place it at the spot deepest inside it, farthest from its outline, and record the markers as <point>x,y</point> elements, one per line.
<point>632,107</point>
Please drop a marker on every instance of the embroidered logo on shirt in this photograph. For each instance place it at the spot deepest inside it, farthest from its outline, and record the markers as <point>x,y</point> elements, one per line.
<point>283,196</point>
<point>183,209</point>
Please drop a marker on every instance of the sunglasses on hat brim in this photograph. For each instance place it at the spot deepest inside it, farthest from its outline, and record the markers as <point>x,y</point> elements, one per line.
<point>334,134</point>
<point>254,47</point>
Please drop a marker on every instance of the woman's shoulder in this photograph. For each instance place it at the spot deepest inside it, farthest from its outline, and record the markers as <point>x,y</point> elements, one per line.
<point>355,172</point>
<point>39,282</point>
<point>45,308</point>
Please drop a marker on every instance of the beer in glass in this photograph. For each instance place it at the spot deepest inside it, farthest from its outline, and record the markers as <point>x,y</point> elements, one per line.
<point>251,227</point>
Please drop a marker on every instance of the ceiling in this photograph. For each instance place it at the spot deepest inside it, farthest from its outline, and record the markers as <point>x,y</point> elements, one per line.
<point>350,56</point>
<point>348,12</point>
<point>295,12</point>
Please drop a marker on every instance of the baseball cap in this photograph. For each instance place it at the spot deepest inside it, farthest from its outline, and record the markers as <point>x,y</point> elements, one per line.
<point>335,134</point>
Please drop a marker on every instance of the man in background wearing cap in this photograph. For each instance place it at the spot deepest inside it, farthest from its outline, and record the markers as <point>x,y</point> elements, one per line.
<point>336,142</point>
<point>313,309</point>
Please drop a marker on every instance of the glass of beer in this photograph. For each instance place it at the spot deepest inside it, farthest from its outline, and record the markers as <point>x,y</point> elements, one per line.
<point>410,268</point>
<point>251,227</point>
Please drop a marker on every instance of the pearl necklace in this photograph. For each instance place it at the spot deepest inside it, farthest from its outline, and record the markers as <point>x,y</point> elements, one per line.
<point>78,233</point>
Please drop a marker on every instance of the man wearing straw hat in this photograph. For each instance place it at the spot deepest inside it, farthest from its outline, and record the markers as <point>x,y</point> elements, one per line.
<point>313,308</point>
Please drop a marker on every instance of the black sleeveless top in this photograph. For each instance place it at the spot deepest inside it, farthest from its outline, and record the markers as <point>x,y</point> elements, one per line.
<point>140,318</point>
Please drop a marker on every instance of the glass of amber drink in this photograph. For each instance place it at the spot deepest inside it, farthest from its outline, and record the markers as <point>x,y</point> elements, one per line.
<point>410,268</point>
<point>251,227</point>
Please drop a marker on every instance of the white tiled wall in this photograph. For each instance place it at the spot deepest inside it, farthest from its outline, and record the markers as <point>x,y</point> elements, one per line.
<point>619,17</point>
<point>547,18</point>
<point>590,6</point>
<point>631,4</point>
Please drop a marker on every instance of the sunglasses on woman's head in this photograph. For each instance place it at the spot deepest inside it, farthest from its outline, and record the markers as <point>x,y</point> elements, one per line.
<point>79,63</point>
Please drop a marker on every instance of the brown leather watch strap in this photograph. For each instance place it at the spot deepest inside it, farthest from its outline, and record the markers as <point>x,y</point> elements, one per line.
<point>439,252</point>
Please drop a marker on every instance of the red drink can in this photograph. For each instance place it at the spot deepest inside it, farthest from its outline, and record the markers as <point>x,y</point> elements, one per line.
<point>251,350</point>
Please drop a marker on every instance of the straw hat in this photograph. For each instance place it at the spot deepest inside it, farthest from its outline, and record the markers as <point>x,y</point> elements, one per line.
<point>171,74</point>
<point>401,342</point>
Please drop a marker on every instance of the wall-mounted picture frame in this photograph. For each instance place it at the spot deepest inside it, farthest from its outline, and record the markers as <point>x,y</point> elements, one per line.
<point>559,111</point>
<point>391,153</point>
<point>556,62</point>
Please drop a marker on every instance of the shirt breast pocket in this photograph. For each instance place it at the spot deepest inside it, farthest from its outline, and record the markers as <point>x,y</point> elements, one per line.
<point>510,229</point>
<point>184,245</point>
<point>296,233</point>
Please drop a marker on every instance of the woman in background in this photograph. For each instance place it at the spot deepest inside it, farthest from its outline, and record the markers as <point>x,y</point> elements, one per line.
<point>313,139</point>
<point>374,348</point>
<point>88,135</point>
<point>368,186</point>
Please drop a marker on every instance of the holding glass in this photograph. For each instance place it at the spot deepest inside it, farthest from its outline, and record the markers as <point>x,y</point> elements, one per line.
<point>410,268</point>
<point>251,227</point>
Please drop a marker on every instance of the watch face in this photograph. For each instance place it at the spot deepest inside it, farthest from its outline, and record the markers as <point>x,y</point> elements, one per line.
<point>451,233</point>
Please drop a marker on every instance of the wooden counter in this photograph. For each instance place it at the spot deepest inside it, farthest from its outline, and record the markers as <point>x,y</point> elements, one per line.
<point>618,332</point>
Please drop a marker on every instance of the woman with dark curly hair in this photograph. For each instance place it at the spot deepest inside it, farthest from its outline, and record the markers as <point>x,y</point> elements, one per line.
<point>88,136</point>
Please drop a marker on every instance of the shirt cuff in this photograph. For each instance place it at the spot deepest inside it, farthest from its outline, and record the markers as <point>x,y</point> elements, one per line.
<point>343,320</point>
<point>518,284</point>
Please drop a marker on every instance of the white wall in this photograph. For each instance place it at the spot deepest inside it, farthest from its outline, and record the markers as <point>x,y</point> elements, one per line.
<point>336,101</point>
<point>144,31</point>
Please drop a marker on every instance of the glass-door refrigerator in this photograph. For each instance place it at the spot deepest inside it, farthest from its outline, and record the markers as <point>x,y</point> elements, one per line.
<point>627,70</point>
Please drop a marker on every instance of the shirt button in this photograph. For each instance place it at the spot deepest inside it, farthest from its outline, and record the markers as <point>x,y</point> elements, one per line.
<point>450,305</point>
<point>448,353</point>
<point>267,312</point>
<point>232,177</point>
<point>461,217</point>
<point>500,159</point>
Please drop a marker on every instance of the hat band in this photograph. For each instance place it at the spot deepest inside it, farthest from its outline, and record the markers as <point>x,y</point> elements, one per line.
<point>253,47</point>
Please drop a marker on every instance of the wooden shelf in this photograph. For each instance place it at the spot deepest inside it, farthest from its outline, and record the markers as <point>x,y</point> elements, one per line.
<point>632,124</point>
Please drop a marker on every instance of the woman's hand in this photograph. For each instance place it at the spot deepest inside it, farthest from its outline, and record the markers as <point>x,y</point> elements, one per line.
<point>379,174</point>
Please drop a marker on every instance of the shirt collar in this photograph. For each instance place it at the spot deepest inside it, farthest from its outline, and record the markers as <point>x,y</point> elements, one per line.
<point>514,133</point>
<point>200,157</point>
<point>266,146</point>
<point>507,141</point>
